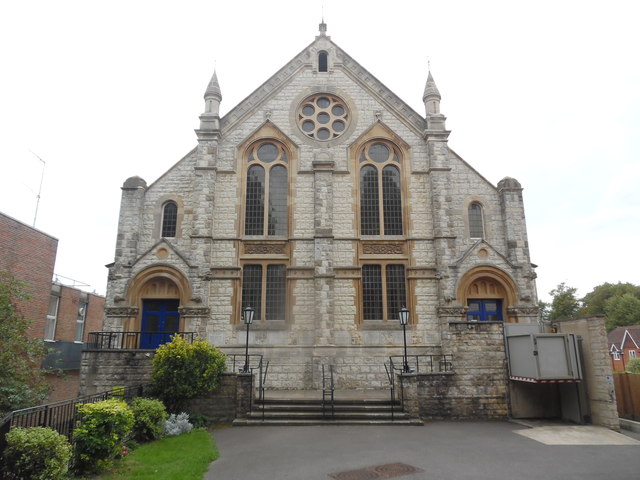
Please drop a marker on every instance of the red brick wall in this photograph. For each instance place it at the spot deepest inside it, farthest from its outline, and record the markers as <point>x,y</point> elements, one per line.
<point>30,256</point>
<point>70,301</point>
<point>63,387</point>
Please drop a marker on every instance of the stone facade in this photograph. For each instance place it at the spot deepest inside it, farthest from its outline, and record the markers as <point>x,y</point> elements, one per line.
<point>442,257</point>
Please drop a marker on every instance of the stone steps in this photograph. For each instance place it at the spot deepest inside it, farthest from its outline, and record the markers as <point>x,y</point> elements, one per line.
<point>311,412</point>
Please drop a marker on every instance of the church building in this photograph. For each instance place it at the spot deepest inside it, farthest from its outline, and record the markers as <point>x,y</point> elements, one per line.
<point>326,204</point>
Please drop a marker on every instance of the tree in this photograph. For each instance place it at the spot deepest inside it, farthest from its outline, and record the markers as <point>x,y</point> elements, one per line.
<point>564,304</point>
<point>22,383</point>
<point>620,302</point>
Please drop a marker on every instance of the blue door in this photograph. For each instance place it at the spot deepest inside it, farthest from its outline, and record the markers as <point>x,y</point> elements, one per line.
<point>160,320</point>
<point>484,310</point>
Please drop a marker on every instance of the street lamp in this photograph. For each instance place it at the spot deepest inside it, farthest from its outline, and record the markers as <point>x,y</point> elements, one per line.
<point>247,316</point>
<point>403,314</point>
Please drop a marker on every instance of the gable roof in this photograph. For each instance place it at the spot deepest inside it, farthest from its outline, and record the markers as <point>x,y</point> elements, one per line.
<point>342,62</point>
<point>621,335</point>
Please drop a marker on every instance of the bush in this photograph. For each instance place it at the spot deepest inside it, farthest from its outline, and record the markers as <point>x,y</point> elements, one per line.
<point>177,425</point>
<point>149,418</point>
<point>634,365</point>
<point>199,420</point>
<point>100,433</point>
<point>182,370</point>
<point>36,453</point>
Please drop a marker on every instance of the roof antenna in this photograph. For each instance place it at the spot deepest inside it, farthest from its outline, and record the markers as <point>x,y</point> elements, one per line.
<point>39,189</point>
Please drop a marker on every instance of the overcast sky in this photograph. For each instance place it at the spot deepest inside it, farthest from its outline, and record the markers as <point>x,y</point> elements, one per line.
<point>547,92</point>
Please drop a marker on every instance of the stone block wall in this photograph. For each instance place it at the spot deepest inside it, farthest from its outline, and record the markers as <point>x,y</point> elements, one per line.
<point>596,369</point>
<point>477,386</point>
<point>103,370</point>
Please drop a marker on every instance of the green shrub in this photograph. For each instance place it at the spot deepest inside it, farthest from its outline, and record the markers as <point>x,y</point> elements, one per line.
<point>36,453</point>
<point>199,420</point>
<point>100,433</point>
<point>149,417</point>
<point>182,370</point>
<point>634,365</point>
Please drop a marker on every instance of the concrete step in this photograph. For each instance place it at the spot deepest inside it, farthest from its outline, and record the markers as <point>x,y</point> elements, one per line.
<point>308,410</point>
<point>249,422</point>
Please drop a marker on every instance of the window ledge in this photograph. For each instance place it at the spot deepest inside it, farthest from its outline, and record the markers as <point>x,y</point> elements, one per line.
<point>380,325</point>
<point>262,325</point>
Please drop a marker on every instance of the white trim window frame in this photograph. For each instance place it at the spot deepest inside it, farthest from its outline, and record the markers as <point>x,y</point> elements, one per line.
<point>52,319</point>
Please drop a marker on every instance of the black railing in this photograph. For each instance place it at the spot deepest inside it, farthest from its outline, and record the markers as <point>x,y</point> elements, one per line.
<point>328,388</point>
<point>392,386</point>
<point>422,363</point>
<point>132,340</point>
<point>61,416</point>
<point>416,364</point>
<point>236,363</point>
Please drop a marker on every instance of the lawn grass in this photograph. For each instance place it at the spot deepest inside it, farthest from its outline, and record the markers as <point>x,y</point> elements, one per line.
<point>183,457</point>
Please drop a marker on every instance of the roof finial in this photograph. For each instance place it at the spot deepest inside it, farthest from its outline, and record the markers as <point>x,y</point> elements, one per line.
<point>322,26</point>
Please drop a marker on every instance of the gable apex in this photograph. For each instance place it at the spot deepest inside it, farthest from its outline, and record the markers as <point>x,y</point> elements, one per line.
<point>338,60</point>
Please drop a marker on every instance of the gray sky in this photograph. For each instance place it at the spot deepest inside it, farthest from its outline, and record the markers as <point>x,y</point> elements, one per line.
<point>547,92</point>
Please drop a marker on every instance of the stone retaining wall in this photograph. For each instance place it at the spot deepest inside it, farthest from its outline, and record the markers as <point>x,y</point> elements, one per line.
<point>477,386</point>
<point>103,370</point>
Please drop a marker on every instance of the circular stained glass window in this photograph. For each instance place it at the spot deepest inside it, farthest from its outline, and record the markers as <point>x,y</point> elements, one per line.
<point>323,117</point>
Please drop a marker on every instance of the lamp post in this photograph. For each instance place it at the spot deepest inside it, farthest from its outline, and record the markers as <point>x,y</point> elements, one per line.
<point>247,316</point>
<point>403,314</point>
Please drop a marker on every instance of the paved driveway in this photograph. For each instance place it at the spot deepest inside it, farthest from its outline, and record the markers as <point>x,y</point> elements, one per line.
<point>437,451</point>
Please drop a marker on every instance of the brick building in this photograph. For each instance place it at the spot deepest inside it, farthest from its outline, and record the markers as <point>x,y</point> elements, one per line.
<point>30,256</point>
<point>325,203</point>
<point>624,345</point>
<point>62,316</point>
<point>72,314</point>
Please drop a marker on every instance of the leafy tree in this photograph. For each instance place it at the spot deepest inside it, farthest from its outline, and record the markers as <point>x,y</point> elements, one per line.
<point>22,383</point>
<point>182,370</point>
<point>620,302</point>
<point>622,311</point>
<point>564,305</point>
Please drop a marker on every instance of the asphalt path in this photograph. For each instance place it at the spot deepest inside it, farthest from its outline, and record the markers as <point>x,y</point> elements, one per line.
<point>436,451</point>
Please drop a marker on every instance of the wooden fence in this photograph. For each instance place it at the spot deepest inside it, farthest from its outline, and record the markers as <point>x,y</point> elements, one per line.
<point>627,387</point>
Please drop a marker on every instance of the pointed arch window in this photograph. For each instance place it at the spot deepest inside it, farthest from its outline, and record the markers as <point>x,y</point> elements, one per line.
<point>267,190</point>
<point>169,219</point>
<point>476,221</point>
<point>380,201</point>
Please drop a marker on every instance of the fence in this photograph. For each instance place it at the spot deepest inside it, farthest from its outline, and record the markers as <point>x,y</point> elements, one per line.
<point>61,416</point>
<point>627,387</point>
<point>132,340</point>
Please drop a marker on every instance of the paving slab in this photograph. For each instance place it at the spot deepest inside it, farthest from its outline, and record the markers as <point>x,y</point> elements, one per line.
<point>438,451</point>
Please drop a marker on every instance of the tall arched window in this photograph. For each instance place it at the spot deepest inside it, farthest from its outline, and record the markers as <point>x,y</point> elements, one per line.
<point>322,61</point>
<point>380,202</point>
<point>169,219</point>
<point>476,222</point>
<point>267,178</point>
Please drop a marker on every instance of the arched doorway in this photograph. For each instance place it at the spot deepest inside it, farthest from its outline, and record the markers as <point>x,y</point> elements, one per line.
<point>487,292</point>
<point>159,293</point>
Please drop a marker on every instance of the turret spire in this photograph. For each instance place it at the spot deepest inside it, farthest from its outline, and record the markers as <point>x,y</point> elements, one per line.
<point>213,95</point>
<point>431,99</point>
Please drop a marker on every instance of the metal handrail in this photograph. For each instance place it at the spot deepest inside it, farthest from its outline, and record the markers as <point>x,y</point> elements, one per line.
<point>418,364</point>
<point>131,340</point>
<point>263,378</point>
<point>423,363</point>
<point>328,388</point>
<point>392,386</point>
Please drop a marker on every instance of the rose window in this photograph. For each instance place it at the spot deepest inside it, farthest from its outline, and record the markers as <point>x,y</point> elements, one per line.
<point>323,117</point>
